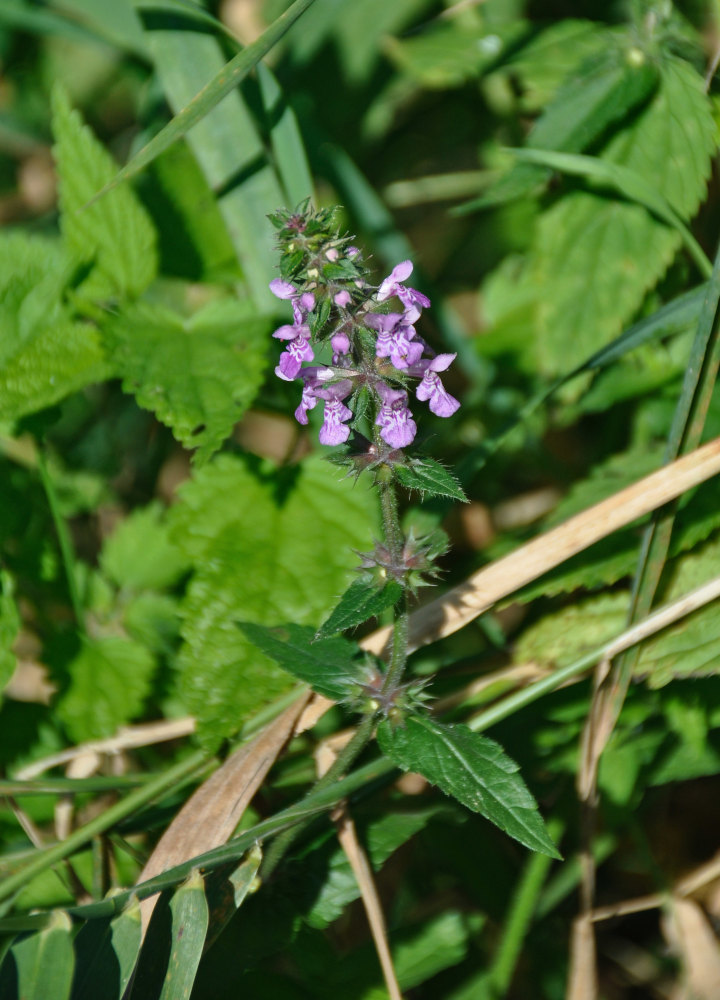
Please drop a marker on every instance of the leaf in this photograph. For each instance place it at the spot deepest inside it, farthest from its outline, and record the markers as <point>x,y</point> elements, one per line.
<point>563,636</point>
<point>189,925</point>
<point>45,354</point>
<point>361,601</point>
<point>45,961</point>
<point>428,476</point>
<point>688,648</point>
<point>595,258</point>
<point>105,954</point>
<point>286,138</point>
<point>267,548</point>
<point>326,664</point>
<point>211,94</point>
<point>199,374</point>
<point>139,555</point>
<point>382,836</point>
<point>226,143</point>
<point>471,768</point>
<point>109,682</point>
<point>599,95</point>
<point>449,53</point>
<point>9,627</point>
<point>116,235</point>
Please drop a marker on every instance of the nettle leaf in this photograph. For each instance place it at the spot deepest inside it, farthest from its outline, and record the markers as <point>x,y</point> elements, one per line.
<point>594,257</point>
<point>197,374</point>
<point>45,354</point>
<point>471,768</point>
<point>564,636</point>
<point>690,647</point>
<point>139,554</point>
<point>602,92</point>
<point>361,601</point>
<point>267,546</point>
<point>327,665</point>
<point>109,681</point>
<point>115,234</point>
<point>428,476</point>
<point>9,627</point>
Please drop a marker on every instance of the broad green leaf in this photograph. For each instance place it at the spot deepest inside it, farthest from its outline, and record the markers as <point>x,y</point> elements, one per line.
<point>189,926</point>
<point>428,476</point>
<point>326,664</point>
<point>45,354</point>
<point>109,680</point>
<point>550,56</point>
<point>381,837</point>
<point>139,555</point>
<point>594,258</point>
<point>198,374</point>
<point>563,636</point>
<point>449,53</point>
<point>440,944</point>
<point>360,602</point>
<point>597,97</point>
<point>9,627</point>
<point>45,961</point>
<point>226,142</point>
<point>116,235</point>
<point>471,768</point>
<point>268,546</point>
<point>688,648</point>
<point>153,620</point>
<point>105,954</point>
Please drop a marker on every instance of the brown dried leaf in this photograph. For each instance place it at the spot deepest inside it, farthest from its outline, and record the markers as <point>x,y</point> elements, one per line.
<point>691,937</point>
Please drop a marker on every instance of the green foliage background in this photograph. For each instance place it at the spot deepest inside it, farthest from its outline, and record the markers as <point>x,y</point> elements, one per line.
<point>549,168</point>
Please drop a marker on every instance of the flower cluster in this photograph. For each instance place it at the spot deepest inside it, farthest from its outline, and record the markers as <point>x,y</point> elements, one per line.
<point>371,349</point>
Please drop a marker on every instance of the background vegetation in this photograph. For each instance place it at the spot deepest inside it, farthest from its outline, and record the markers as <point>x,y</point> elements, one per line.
<point>549,168</point>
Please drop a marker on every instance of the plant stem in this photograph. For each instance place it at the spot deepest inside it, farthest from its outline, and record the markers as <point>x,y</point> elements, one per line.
<point>399,651</point>
<point>345,759</point>
<point>63,536</point>
<point>391,520</point>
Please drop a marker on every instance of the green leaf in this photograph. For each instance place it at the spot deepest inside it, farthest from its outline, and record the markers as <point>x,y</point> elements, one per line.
<point>9,627</point>
<point>428,476</point>
<point>326,664</point>
<point>564,636</point>
<point>286,139</point>
<point>361,601</point>
<point>116,235</point>
<point>226,142</point>
<point>139,554</point>
<point>45,961</point>
<point>199,374</point>
<point>45,354</point>
<point>597,97</point>
<point>106,951</point>
<point>189,925</point>
<point>109,682</point>
<point>268,546</point>
<point>226,891</point>
<point>381,837</point>
<point>688,648</point>
<point>212,93</point>
<point>471,768</point>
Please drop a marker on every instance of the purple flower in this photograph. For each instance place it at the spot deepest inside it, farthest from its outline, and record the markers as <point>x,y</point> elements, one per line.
<point>397,427</point>
<point>395,338</point>
<point>340,343</point>
<point>431,388</point>
<point>283,289</point>
<point>342,298</point>
<point>291,359</point>
<point>336,413</point>
<point>393,285</point>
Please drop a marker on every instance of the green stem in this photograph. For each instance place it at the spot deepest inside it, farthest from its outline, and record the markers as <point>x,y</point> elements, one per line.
<point>399,651</point>
<point>63,536</point>
<point>345,759</point>
<point>394,538</point>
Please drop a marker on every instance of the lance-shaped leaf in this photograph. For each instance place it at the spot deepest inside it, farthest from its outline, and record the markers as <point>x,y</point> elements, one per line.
<point>361,601</point>
<point>106,951</point>
<point>428,476</point>
<point>189,926</point>
<point>327,665</point>
<point>473,769</point>
<point>45,961</point>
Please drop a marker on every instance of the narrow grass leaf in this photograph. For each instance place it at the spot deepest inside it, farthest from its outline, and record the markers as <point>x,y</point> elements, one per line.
<point>471,768</point>
<point>212,93</point>
<point>189,926</point>
<point>288,147</point>
<point>45,961</point>
<point>106,952</point>
<point>226,890</point>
